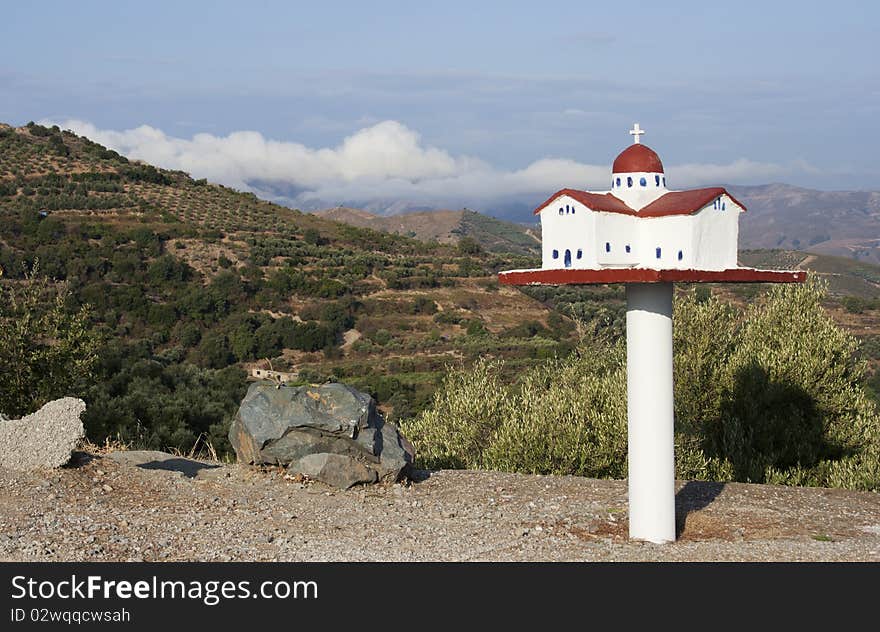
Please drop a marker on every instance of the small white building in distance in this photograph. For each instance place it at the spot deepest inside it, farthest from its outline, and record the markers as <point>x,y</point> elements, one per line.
<point>639,223</point>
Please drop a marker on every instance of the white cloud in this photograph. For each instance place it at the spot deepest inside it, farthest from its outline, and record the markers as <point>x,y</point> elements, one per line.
<point>741,171</point>
<point>384,161</point>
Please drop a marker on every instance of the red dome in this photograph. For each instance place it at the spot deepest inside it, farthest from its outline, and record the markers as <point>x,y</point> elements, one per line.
<point>637,158</point>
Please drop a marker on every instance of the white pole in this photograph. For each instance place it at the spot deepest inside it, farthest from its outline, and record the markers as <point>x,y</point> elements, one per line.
<point>650,411</point>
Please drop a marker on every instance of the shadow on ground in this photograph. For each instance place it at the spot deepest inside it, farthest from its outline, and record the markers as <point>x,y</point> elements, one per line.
<point>79,459</point>
<point>695,495</point>
<point>154,460</point>
<point>419,476</point>
<point>187,467</point>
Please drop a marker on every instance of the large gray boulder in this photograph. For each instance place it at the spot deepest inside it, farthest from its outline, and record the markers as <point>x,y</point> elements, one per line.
<point>44,439</point>
<point>283,425</point>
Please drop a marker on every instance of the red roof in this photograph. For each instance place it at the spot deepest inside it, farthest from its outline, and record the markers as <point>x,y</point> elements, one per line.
<point>684,202</point>
<point>672,203</point>
<point>571,276</point>
<point>637,158</point>
<point>594,201</point>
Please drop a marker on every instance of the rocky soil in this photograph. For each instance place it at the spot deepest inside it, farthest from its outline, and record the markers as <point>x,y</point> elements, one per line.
<point>136,506</point>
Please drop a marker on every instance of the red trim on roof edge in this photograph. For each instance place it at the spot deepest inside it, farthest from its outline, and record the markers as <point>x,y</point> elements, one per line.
<point>672,203</point>
<point>603,202</point>
<point>568,276</point>
<point>684,202</point>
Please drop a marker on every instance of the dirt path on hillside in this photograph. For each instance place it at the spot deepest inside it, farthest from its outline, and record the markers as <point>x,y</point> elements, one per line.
<point>99,509</point>
<point>807,261</point>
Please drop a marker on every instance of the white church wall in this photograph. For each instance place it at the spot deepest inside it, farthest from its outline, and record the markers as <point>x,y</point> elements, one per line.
<point>615,242</point>
<point>638,195</point>
<point>567,235</point>
<point>584,239</point>
<point>666,242</point>
<point>716,234</point>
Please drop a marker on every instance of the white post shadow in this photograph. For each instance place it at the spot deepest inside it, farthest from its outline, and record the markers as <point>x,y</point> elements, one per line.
<point>650,412</point>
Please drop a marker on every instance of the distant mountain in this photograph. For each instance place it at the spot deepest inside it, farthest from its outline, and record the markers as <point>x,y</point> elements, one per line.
<point>289,195</point>
<point>843,223</point>
<point>445,226</point>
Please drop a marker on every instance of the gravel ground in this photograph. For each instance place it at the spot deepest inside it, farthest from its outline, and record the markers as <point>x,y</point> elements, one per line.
<point>98,509</point>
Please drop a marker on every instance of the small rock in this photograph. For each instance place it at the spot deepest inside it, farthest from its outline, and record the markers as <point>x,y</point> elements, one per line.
<point>334,469</point>
<point>106,488</point>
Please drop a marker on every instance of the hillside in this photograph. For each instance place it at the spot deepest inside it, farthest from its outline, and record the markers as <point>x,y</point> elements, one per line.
<point>445,227</point>
<point>191,282</point>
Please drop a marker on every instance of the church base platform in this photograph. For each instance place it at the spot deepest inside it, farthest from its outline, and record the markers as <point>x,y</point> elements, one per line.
<point>569,276</point>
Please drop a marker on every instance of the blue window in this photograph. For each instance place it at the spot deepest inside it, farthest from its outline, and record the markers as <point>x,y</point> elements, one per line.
<point>656,181</point>
<point>567,209</point>
<point>561,210</point>
<point>724,206</point>
<point>680,255</point>
<point>580,253</point>
<point>629,181</point>
<point>568,258</point>
<point>572,210</point>
<point>618,182</point>
<point>664,180</point>
<point>643,182</point>
<point>607,246</point>
<point>556,254</point>
<point>658,252</point>
<point>627,248</point>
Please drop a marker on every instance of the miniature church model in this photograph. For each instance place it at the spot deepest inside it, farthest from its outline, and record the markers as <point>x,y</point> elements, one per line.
<point>639,222</point>
<point>641,234</point>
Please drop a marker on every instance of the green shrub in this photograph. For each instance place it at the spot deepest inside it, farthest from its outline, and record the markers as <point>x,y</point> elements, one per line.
<point>47,349</point>
<point>567,416</point>
<point>381,337</point>
<point>461,422</point>
<point>153,402</point>
<point>475,327</point>
<point>469,246</point>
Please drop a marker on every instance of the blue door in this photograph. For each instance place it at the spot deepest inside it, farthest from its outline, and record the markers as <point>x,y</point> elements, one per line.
<point>568,258</point>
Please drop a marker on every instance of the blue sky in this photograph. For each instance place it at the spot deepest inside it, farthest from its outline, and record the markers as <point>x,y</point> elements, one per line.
<point>760,91</point>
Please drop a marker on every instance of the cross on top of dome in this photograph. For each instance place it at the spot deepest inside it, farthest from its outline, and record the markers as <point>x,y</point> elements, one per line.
<point>636,131</point>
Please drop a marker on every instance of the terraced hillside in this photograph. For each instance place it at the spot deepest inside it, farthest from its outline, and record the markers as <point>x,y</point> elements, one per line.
<point>190,283</point>
<point>447,227</point>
